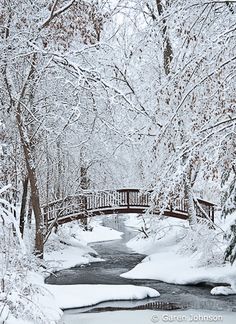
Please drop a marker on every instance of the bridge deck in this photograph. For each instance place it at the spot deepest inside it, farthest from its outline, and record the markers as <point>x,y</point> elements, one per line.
<point>119,201</point>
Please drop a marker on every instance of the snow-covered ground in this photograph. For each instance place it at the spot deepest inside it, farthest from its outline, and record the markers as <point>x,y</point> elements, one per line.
<point>69,246</point>
<point>160,266</point>
<point>170,249</point>
<point>38,307</point>
<point>178,256</point>
<point>66,248</point>
<point>148,317</point>
<point>74,296</point>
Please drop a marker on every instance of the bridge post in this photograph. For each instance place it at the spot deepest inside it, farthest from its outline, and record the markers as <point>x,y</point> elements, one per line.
<point>127,196</point>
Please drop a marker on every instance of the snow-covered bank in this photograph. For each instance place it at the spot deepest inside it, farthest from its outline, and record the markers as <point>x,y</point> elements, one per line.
<point>160,266</point>
<point>147,317</point>
<point>179,256</point>
<point>69,246</point>
<point>74,296</point>
<point>70,254</point>
<point>99,232</point>
<point>76,251</point>
<point>34,303</point>
<point>30,300</point>
<point>71,249</point>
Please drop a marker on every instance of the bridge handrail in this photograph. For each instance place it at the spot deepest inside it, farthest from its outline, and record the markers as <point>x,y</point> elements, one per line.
<point>126,197</point>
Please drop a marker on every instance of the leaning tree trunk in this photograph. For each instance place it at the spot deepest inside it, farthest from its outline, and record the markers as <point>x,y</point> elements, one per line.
<point>29,160</point>
<point>27,149</point>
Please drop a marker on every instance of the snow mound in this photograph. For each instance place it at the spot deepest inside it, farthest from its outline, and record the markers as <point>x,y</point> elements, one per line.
<point>223,290</point>
<point>159,266</point>
<point>70,256</point>
<point>100,234</point>
<point>69,246</point>
<point>196,257</point>
<point>74,296</point>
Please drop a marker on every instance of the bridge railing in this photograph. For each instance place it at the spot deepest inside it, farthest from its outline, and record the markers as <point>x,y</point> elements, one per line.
<point>115,199</point>
<point>205,208</point>
<point>64,207</point>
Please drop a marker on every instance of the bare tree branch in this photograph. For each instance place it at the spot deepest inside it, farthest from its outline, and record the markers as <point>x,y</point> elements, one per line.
<point>54,14</point>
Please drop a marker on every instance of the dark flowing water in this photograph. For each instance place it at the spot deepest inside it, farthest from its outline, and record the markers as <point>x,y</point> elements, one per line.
<point>119,259</point>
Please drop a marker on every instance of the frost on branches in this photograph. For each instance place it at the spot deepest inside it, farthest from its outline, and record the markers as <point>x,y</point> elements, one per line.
<point>229,208</point>
<point>230,253</point>
<point>21,294</point>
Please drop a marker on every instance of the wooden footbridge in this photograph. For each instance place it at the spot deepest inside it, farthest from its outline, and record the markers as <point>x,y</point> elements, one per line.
<point>121,201</point>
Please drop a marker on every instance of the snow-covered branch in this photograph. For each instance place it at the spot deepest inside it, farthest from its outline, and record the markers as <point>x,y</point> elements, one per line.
<point>55,13</point>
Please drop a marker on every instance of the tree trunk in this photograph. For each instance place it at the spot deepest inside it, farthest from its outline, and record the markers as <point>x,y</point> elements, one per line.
<point>32,180</point>
<point>168,52</point>
<point>23,205</point>
<point>37,211</point>
<point>84,184</point>
<point>29,160</point>
<point>190,201</point>
<point>29,213</point>
<point>59,193</point>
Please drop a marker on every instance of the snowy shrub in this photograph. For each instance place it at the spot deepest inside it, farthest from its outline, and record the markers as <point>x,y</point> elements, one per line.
<point>230,253</point>
<point>204,244</point>
<point>67,234</point>
<point>166,229</point>
<point>18,294</point>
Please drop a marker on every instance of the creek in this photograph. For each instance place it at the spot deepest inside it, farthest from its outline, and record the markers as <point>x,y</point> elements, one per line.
<point>119,259</point>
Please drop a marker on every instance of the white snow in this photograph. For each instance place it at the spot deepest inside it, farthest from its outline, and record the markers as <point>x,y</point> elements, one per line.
<point>77,252</point>
<point>166,261</point>
<point>135,221</point>
<point>70,256</point>
<point>148,317</point>
<point>69,247</point>
<point>44,298</point>
<point>160,266</point>
<point>73,296</point>
<point>40,305</point>
<point>13,320</point>
<point>223,290</point>
<point>99,233</point>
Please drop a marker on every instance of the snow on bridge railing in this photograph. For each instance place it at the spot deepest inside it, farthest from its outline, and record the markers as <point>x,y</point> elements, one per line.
<point>119,200</point>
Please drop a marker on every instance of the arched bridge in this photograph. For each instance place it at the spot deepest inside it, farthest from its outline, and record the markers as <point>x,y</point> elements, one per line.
<point>119,201</point>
